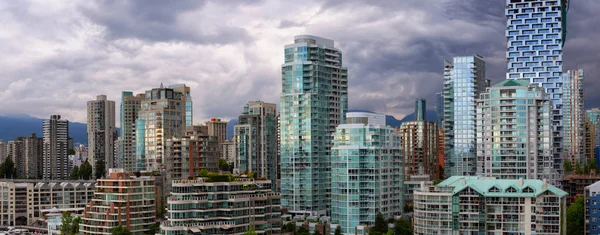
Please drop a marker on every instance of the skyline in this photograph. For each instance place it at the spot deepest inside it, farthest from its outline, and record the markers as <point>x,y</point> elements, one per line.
<point>78,47</point>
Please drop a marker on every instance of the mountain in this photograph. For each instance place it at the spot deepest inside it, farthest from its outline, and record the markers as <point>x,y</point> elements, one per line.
<point>430,115</point>
<point>13,126</point>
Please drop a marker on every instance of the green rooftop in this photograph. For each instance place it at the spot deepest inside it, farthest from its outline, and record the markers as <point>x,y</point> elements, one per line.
<point>492,187</point>
<point>511,82</point>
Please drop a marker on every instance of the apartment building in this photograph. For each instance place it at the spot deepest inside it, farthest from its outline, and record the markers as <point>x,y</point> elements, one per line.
<point>222,204</point>
<point>22,201</point>
<point>486,205</point>
<point>120,199</point>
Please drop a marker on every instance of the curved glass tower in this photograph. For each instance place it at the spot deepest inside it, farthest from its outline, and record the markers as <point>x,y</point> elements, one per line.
<point>314,100</point>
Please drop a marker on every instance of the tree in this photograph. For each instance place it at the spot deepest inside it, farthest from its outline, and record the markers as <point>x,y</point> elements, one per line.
<point>70,151</point>
<point>578,169</point>
<point>69,225</point>
<point>251,231</point>
<point>380,227</point>
<point>316,232</point>
<point>302,231</point>
<point>290,228</point>
<point>75,173</point>
<point>223,165</point>
<point>568,166</point>
<point>85,170</point>
<point>403,227</point>
<point>576,217</point>
<point>100,169</point>
<point>442,173</point>
<point>338,230</point>
<point>7,169</point>
<point>120,230</point>
<point>154,228</point>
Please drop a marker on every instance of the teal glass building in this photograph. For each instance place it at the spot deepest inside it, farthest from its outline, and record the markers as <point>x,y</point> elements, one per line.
<point>464,80</point>
<point>366,165</point>
<point>313,102</point>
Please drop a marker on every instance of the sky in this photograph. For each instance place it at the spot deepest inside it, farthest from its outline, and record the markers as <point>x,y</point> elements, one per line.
<point>56,55</point>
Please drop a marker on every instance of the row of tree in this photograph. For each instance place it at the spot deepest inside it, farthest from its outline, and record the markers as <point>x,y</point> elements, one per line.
<point>7,169</point>
<point>85,171</point>
<point>70,226</point>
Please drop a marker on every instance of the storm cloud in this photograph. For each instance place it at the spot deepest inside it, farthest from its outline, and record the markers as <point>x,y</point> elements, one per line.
<point>56,55</point>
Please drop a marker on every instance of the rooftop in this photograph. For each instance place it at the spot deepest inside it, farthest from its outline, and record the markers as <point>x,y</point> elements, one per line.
<point>492,187</point>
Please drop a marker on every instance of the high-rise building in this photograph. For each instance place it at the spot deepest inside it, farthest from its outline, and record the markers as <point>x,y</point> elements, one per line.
<point>189,107</point>
<point>33,157</point>
<point>594,116</point>
<point>573,117</point>
<point>514,131</point>
<point>101,133</point>
<point>589,143</point>
<point>420,110</point>
<point>187,156</point>
<point>3,153</point>
<point>222,204</point>
<point>314,101</point>
<point>419,145</point>
<point>55,148</point>
<point>228,151</point>
<point>130,106</point>
<point>120,199</point>
<point>162,116</point>
<point>366,172</point>
<point>439,109</point>
<point>255,138</point>
<point>486,205</point>
<point>16,153</point>
<point>535,35</point>
<point>218,128</point>
<point>464,80</point>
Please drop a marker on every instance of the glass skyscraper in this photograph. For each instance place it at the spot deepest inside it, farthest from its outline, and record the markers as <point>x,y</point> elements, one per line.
<point>366,172</point>
<point>314,101</point>
<point>464,80</point>
<point>535,37</point>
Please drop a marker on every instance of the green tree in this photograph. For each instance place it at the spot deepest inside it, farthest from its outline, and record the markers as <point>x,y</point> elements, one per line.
<point>290,228</point>
<point>120,230</point>
<point>302,231</point>
<point>316,232</point>
<point>85,170</point>
<point>380,227</point>
<point>338,230</point>
<point>442,173</point>
<point>154,228</point>
<point>251,231</point>
<point>70,151</point>
<point>403,227</point>
<point>100,169</point>
<point>223,165</point>
<point>69,225</point>
<point>203,173</point>
<point>576,217</point>
<point>578,169</point>
<point>7,169</point>
<point>75,173</point>
<point>568,166</point>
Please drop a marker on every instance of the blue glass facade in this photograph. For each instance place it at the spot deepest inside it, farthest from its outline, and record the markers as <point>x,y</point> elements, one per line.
<point>464,80</point>
<point>535,37</point>
<point>314,101</point>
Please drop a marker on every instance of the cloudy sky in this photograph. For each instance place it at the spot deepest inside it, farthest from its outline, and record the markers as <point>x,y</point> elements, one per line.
<point>56,55</point>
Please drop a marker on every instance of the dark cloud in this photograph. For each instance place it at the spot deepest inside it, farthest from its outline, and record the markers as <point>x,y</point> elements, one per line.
<point>58,55</point>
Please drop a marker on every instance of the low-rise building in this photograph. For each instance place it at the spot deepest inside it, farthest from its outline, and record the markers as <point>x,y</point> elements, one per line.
<point>222,204</point>
<point>486,205</point>
<point>120,199</point>
<point>574,185</point>
<point>592,209</point>
<point>22,201</point>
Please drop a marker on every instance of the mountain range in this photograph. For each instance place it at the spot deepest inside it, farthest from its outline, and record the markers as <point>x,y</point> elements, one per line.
<point>13,126</point>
